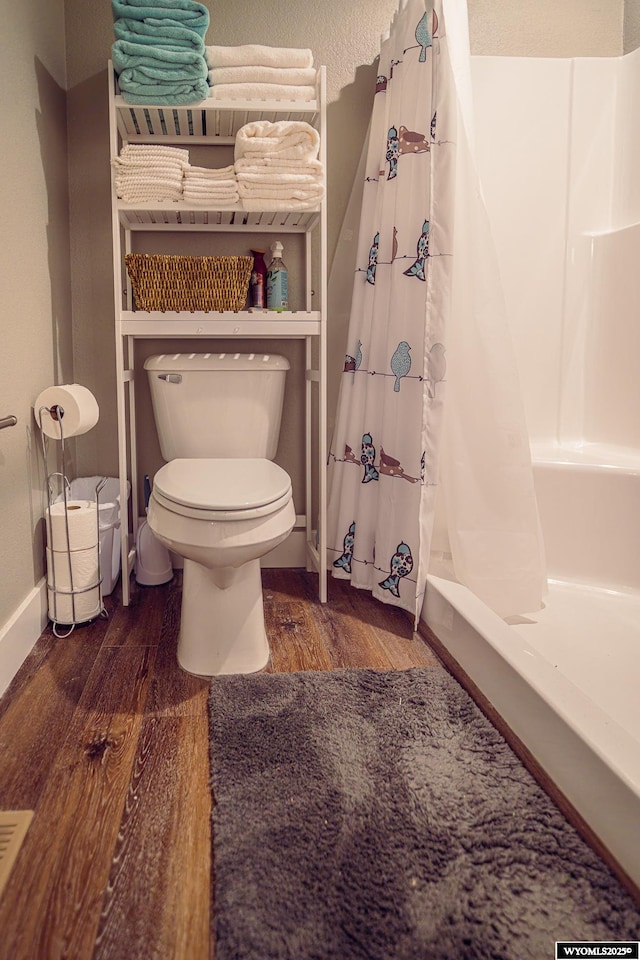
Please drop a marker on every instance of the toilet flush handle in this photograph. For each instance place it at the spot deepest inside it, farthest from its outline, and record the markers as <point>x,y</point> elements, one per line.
<point>170,377</point>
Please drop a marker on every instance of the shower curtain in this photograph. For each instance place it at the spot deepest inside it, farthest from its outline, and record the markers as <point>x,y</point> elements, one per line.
<point>429,461</point>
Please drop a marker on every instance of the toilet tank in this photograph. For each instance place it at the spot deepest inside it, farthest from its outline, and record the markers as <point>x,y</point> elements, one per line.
<point>217,404</point>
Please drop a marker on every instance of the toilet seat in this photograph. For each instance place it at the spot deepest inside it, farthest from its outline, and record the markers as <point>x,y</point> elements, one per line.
<point>222,489</point>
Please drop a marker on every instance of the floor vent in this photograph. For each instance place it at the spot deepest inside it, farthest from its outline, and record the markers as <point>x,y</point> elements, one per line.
<point>13,829</point>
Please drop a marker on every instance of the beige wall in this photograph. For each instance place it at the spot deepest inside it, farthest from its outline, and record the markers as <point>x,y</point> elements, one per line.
<point>35,348</point>
<point>37,330</point>
<point>546,28</point>
<point>631,25</point>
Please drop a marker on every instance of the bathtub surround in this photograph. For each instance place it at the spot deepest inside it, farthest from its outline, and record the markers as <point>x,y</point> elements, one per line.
<point>566,207</point>
<point>379,814</point>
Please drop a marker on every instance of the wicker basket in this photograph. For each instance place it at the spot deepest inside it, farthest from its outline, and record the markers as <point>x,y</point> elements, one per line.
<point>163,282</point>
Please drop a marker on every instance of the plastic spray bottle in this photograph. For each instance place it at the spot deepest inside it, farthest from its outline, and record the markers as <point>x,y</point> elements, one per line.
<point>277,280</point>
<point>257,283</point>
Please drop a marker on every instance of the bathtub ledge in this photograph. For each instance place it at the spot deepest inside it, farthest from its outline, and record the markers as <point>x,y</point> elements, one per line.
<point>591,758</point>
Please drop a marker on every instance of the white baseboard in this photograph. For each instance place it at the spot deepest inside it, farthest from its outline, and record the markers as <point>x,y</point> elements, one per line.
<point>20,633</point>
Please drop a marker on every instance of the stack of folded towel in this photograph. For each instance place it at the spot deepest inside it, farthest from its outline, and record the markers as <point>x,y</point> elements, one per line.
<point>256,72</point>
<point>277,166</point>
<point>217,187</point>
<point>159,53</point>
<point>150,172</point>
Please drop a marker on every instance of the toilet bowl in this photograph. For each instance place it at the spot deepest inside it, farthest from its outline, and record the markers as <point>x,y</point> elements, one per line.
<point>221,516</point>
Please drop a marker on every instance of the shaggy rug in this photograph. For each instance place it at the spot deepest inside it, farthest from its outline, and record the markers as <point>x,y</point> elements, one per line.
<point>364,815</point>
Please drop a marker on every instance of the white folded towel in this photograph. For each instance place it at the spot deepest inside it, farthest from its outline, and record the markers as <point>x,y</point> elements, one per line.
<point>201,173</point>
<point>285,139</point>
<point>284,192</point>
<point>195,191</point>
<point>152,150</point>
<point>277,165</point>
<point>289,76</point>
<point>257,205</point>
<point>129,168</point>
<point>299,179</point>
<point>151,191</point>
<point>212,185</point>
<point>213,203</point>
<point>225,189</point>
<point>159,171</point>
<point>231,199</point>
<point>216,203</point>
<point>148,178</point>
<point>255,54</point>
<point>262,91</point>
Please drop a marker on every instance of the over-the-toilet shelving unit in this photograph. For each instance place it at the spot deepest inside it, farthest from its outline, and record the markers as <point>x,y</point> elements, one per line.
<point>215,123</point>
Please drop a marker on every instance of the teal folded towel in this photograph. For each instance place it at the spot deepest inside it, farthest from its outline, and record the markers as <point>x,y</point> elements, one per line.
<point>165,94</point>
<point>187,12</point>
<point>157,62</point>
<point>159,33</point>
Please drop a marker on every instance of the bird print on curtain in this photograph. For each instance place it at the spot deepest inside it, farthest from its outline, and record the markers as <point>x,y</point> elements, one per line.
<point>383,455</point>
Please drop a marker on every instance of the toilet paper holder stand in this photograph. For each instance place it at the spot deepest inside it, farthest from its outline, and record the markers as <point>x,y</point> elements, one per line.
<point>56,412</point>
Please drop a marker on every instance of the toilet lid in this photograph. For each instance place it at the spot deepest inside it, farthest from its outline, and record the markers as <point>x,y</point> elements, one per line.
<point>222,485</point>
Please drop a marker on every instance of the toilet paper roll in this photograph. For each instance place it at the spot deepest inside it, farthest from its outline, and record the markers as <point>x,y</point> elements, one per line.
<point>83,525</point>
<point>80,410</point>
<point>82,565</point>
<point>85,605</point>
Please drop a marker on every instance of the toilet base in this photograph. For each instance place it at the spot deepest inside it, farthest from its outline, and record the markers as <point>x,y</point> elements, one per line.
<point>222,627</point>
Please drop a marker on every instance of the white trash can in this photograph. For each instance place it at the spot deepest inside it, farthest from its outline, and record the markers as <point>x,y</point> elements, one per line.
<point>84,488</point>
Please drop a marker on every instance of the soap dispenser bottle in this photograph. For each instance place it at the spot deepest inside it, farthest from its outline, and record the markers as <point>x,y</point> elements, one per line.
<point>277,281</point>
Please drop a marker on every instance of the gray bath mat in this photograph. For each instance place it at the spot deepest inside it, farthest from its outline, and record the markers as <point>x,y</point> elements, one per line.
<point>380,816</point>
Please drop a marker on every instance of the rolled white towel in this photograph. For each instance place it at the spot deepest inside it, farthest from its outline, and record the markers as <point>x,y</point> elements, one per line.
<point>277,165</point>
<point>256,54</point>
<point>201,173</point>
<point>289,76</point>
<point>286,139</point>
<point>262,91</point>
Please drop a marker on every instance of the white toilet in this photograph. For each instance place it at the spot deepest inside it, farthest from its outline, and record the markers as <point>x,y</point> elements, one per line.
<point>220,502</point>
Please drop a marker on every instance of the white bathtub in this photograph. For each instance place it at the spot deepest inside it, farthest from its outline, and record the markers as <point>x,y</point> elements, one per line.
<point>566,679</point>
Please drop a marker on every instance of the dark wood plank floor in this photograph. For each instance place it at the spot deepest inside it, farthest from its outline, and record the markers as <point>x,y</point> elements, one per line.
<point>106,739</point>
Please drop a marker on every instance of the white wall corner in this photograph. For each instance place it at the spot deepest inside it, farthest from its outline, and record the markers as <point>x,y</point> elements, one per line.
<point>19,634</point>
